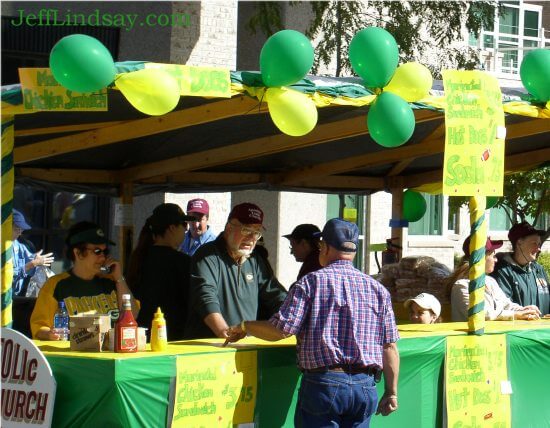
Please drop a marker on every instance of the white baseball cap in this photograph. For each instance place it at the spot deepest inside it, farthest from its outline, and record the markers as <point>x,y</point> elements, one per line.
<point>426,301</point>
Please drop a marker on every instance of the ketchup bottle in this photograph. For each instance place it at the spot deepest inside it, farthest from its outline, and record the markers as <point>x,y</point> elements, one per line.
<point>126,329</point>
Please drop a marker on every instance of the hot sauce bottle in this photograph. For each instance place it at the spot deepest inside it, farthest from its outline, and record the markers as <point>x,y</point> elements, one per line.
<point>126,329</point>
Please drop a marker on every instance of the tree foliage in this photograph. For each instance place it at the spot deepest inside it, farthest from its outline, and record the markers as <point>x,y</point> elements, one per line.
<point>422,29</point>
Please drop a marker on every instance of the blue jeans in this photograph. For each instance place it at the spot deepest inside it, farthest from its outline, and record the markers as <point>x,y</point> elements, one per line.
<point>335,399</point>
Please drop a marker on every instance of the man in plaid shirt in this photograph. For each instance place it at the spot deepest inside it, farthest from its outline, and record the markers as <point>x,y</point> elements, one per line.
<point>346,336</point>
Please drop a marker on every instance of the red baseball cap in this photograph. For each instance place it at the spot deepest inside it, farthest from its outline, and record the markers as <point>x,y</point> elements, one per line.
<point>521,230</point>
<point>489,245</point>
<point>198,206</point>
<point>247,213</point>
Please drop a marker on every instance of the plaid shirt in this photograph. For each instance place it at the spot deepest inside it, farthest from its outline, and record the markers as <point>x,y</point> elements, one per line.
<point>340,316</point>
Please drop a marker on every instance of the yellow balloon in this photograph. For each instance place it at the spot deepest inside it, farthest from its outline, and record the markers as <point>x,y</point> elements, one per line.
<point>412,82</point>
<point>151,91</point>
<point>292,112</point>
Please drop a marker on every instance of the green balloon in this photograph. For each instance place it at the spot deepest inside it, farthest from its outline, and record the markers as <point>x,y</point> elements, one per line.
<point>414,206</point>
<point>82,64</point>
<point>390,120</point>
<point>491,201</point>
<point>286,57</point>
<point>535,73</point>
<point>374,56</point>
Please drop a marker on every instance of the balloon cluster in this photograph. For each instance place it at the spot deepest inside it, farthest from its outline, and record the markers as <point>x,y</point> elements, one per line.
<point>82,63</point>
<point>286,57</point>
<point>535,73</point>
<point>374,56</point>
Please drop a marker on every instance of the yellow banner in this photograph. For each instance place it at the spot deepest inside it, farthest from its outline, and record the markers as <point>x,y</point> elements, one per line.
<point>476,382</point>
<point>474,134</point>
<point>42,92</point>
<point>215,390</point>
<point>198,81</point>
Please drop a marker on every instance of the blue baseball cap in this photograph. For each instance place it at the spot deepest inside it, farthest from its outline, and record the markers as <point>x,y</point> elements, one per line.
<point>19,220</point>
<point>340,234</point>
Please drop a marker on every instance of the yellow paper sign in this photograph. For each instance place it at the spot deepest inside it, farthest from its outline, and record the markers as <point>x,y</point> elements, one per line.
<point>42,92</point>
<point>350,214</point>
<point>215,390</point>
<point>198,81</point>
<point>475,367</point>
<point>474,134</point>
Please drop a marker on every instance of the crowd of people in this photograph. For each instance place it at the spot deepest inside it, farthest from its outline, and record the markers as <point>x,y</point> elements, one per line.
<point>223,286</point>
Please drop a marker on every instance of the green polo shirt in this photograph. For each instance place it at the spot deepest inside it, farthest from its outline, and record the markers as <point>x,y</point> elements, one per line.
<point>219,284</point>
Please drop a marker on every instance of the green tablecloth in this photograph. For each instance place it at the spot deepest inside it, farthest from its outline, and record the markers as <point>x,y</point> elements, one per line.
<point>110,390</point>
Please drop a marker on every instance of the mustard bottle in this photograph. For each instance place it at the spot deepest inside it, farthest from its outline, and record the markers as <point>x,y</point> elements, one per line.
<point>159,341</point>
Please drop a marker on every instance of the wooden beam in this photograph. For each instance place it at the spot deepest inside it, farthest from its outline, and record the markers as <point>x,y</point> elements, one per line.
<point>138,128</point>
<point>207,178</point>
<point>433,144</point>
<point>65,128</point>
<point>248,149</point>
<point>343,182</point>
<point>58,175</point>
<point>512,163</point>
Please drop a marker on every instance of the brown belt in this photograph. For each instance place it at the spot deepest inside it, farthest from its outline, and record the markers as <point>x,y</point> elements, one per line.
<point>346,368</point>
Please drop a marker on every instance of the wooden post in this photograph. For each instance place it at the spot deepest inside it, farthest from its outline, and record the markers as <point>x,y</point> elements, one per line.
<point>396,214</point>
<point>126,231</point>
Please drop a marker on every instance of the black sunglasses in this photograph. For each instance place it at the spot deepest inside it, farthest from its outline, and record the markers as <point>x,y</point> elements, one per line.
<point>98,251</point>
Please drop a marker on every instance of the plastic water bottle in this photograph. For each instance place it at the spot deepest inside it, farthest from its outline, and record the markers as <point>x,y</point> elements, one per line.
<point>61,322</point>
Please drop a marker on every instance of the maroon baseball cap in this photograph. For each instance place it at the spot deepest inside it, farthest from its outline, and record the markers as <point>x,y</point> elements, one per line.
<point>247,213</point>
<point>521,230</point>
<point>489,245</point>
<point>198,206</point>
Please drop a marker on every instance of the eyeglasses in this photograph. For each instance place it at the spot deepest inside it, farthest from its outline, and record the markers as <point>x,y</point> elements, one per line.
<point>99,251</point>
<point>247,231</point>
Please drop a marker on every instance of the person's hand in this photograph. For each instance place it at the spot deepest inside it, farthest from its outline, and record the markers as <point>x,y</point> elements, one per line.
<point>387,404</point>
<point>527,314</point>
<point>116,269</point>
<point>234,334</point>
<point>43,259</point>
<point>47,334</point>
<point>533,307</point>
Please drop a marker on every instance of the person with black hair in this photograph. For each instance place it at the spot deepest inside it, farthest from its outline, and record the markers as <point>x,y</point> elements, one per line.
<point>158,273</point>
<point>84,287</point>
<point>304,246</point>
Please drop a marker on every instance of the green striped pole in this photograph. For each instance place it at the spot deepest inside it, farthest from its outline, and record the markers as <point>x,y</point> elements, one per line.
<point>478,237</point>
<point>7,208</point>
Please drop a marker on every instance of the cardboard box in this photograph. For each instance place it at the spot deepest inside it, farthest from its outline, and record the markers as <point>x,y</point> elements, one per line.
<point>88,331</point>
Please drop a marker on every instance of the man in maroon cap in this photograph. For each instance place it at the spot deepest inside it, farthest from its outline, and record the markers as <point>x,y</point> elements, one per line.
<point>228,281</point>
<point>199,232</point>
<point>518,274</point>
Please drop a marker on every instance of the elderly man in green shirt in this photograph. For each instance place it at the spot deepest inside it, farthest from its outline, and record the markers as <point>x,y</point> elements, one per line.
<point>229,282</point>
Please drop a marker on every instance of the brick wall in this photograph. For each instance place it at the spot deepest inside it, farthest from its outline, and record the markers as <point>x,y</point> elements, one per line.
<point>210,39</point>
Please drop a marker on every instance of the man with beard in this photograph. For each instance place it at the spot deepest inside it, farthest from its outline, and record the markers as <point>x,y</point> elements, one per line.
<point>199,232</point>
<point>229,282</point>
<point>518,274</point>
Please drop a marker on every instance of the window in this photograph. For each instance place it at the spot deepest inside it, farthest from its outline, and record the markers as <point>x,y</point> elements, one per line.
<point>515,32</point>
<point>432,221</point>
<point>52,213</point>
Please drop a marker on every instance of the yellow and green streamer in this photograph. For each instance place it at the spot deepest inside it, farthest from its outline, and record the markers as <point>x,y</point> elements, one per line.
<point>478,238</point>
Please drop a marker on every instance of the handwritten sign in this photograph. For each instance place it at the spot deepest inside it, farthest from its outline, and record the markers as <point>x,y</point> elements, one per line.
<point>474,134</point>
<point>215,390</point>
<point>198,81</point>
<point>28,386</point>
<point>475,370</point>
<point>42,92</point>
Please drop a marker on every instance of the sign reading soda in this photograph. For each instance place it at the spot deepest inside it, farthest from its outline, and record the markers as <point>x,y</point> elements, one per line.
<point>28,386</point>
